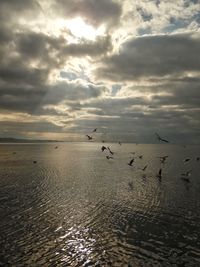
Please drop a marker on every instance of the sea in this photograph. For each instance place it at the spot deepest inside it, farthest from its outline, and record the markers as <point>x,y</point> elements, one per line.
<point>66,204</point>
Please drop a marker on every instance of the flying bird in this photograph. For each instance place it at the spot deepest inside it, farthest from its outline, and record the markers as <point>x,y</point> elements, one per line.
<point>186,160</point>
<point>103,148</point>
<point>131,162</point>
<point>185,176</point>
<point>159,175</point>
<point>188,173</point>
<point>109,157</point>
<point>143,169</point>
<point>111,152</point>
<point>161,139</point>
<point>163,159</point>
<point>89,137</point>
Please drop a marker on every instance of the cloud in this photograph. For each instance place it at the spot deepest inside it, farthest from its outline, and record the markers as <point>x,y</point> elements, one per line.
<point>94,12</point>
<point>153,56</point>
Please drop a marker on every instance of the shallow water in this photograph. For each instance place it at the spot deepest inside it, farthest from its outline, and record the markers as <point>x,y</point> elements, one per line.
<point>76,208</point>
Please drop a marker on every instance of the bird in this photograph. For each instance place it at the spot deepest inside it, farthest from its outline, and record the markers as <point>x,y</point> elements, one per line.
<point>94,130</point>
<point>89,137</point>
<point>186,160</point>
<point>186,174</point>
<point>163,159</point>
<point>131,162</point>
<point>161,139</point>
<point>109,157</point>
<point>111,152</point>
<point>103,148</point>
<point>120,143</point>
<point>140,157</point>
<point>159,175</point>
<point>198,158</point>
<point>143,169</point>
<point>55,147</point>
<point>35,161</point>
<point>185,179</point>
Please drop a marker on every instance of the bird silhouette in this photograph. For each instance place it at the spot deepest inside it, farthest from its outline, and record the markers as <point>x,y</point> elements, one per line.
<point>185,179</point>
<point>111,152</point>
<point>186,174</point>
<point>140,157</point>
<point>94,130</point>
<point>186,160</point>
<point>103,148</point>
<point>163,159</point>
<point>159,175</point>
<point>161,139</point>
<point>109,157</point>
<point>35,161</point>
<point>89,137</point>
<point>143,169</point>
<point>131,162</point>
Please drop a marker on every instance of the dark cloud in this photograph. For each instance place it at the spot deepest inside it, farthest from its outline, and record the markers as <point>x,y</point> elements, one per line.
<point>153,56</point>
<point>94,12</point>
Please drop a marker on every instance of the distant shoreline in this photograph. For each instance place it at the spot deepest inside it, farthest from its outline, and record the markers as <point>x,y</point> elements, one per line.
<point>16,140</point>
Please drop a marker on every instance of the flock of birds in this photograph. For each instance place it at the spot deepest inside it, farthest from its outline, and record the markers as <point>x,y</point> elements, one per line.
<point>184,176</point>
<point>110,156</point>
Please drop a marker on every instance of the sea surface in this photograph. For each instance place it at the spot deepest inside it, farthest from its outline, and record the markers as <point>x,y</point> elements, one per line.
<point>74,207</point>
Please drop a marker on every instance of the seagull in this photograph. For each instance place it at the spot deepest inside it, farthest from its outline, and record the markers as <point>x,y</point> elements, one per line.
<point>185,176</point>
<point>143,169</point>
<point>131,162</point>
<point>188,173</point>
<point>159,175</point>
<point>112,153</point>
<point>103,148</point>
<point>163,159</point>
<point>35,161</point>
<point>94,130</point>
<point>186,160</point>
<point>109,157</point>
<point>161,139</point>
<point>89,137</point>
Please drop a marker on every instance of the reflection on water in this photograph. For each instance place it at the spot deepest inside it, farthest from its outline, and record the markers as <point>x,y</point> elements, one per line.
<point>76,208</point>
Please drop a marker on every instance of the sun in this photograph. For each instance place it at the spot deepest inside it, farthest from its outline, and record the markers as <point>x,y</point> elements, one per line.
<point>80,29</point>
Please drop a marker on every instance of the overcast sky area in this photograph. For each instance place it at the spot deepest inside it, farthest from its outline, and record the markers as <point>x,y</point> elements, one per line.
<point>128,68</point>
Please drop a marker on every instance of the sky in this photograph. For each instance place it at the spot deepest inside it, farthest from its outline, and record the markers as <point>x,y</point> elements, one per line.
<point>127,68</point>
